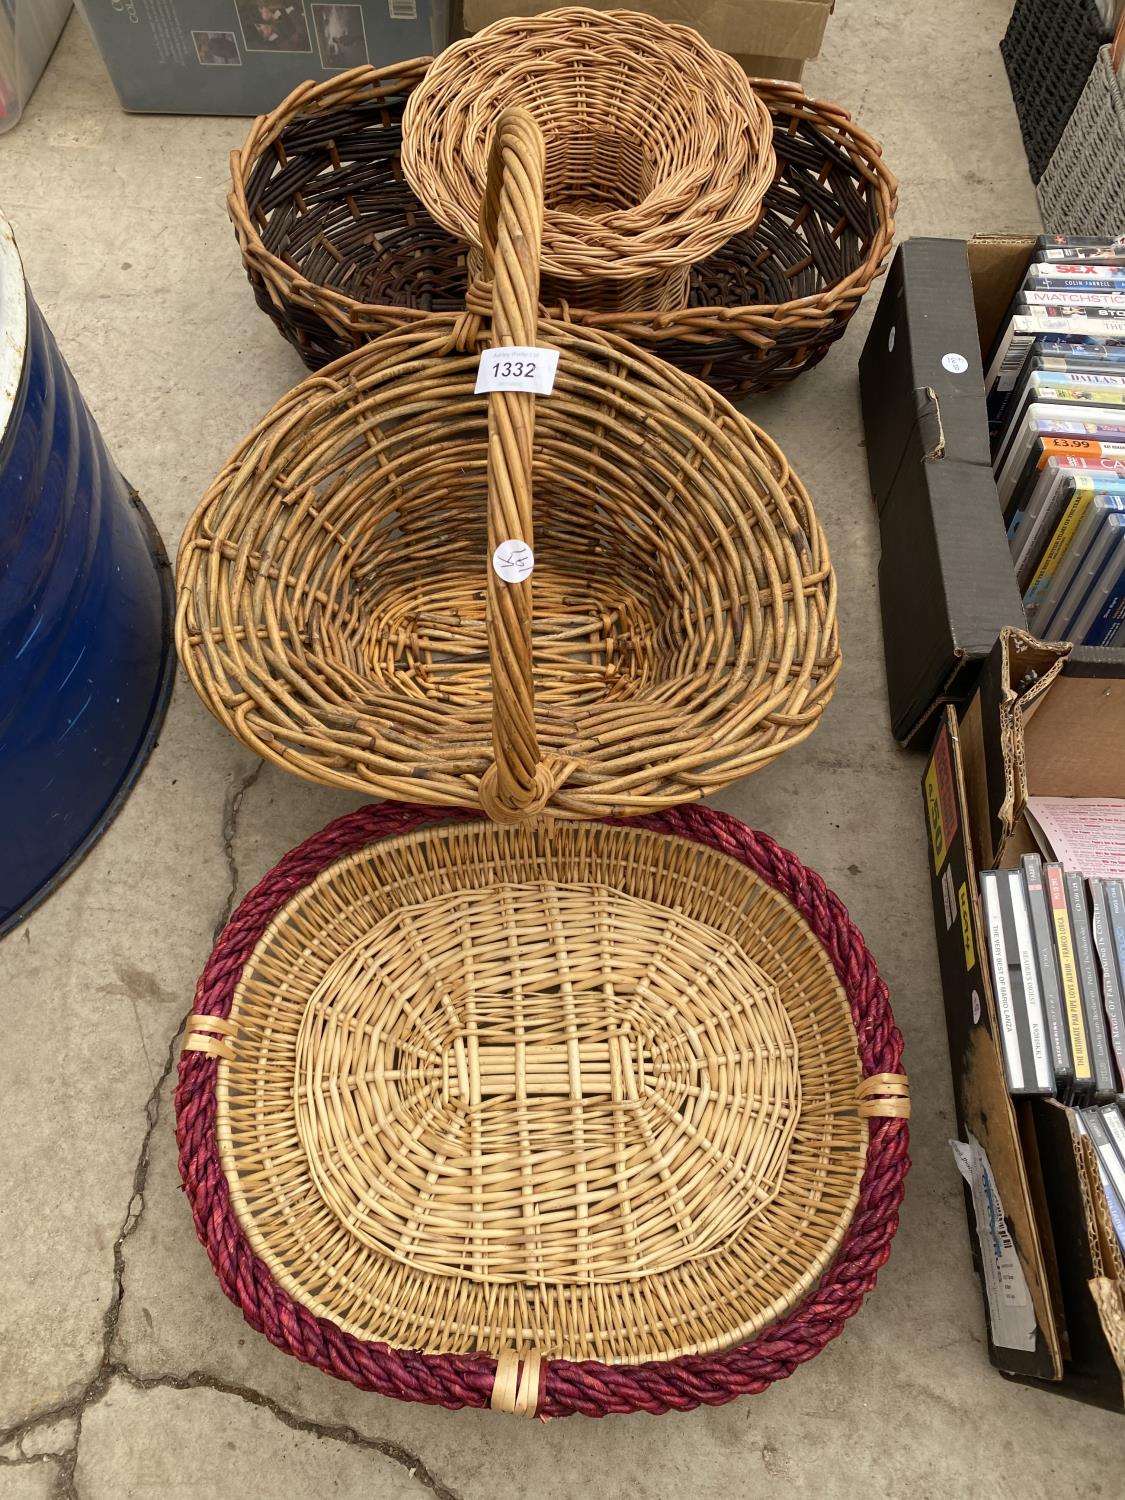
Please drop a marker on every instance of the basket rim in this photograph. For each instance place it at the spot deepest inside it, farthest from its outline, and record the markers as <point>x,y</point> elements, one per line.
<point>779,95</point>
<point>565,1387</point>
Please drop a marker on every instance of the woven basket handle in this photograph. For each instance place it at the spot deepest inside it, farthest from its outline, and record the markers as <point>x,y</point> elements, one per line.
<point>520,782</point>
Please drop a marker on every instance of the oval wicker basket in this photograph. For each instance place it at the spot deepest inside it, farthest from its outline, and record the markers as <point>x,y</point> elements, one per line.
<point>552,1118</point>
<point>658,151</point>
<point>338,249</point>
<point>338,613</point>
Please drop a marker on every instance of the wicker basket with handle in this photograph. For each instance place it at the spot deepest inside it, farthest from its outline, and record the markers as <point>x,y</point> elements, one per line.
<point>338,613</point>
<point>339,250</point>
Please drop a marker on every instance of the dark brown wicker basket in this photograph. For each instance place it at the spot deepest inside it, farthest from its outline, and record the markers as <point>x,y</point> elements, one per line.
<point>338,249</point>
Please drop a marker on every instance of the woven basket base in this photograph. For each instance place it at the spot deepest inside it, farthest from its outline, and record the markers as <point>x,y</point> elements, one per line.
<point>581,1088</point>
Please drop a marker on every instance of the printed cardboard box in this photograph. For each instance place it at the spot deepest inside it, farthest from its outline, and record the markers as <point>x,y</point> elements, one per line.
<point>241,57</point>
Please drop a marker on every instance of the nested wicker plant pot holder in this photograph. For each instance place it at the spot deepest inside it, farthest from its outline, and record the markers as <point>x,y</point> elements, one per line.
<point>558,1118</point>
<point>337,610</point>
<point>339,250</point>
<point>658,150</point>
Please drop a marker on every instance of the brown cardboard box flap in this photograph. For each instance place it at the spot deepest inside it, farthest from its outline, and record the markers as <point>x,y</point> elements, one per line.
<point>773,28</point>
<point>1014,681</point>
<point>997,263</point>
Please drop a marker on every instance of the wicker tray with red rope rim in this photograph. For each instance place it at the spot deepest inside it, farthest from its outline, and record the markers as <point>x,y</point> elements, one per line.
<point>520,1380</point>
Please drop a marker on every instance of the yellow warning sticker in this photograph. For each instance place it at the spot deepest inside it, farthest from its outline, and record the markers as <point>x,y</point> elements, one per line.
<point>966,924</point>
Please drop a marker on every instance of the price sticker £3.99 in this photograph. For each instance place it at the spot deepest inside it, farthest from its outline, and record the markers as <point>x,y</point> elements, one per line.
<point>517,369</point>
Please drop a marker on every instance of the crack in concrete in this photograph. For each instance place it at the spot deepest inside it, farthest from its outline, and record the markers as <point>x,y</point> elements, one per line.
<point>232,807</point>
<point>109,1369</point>
<point>336,1432</point>
<point>98,1384</point>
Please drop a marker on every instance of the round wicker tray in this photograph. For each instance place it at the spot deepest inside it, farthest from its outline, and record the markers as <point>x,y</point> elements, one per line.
<point>546,1117</point>
<point>338,249</point>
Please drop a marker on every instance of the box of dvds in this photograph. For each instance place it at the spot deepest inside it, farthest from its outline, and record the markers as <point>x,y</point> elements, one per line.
<point>1027,1066</point>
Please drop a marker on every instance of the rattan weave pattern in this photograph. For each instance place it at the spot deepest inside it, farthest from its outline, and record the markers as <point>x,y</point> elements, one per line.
<point>658,150</point>
<point>1082,192</point>
<point>337,612</point>
<point>558,1387</point>
<point>338,249</point>
<point>1049,50</point>
<point>588,1090</point>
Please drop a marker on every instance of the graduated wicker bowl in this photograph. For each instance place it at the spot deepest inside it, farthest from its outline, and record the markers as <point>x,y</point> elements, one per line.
<point>635,194</point>
<point>342,610</point>
<point>338,249</point>
<point>573,1118</point>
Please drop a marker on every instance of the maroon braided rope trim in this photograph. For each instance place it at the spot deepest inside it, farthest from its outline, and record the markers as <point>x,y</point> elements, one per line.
<point>588,1387</point>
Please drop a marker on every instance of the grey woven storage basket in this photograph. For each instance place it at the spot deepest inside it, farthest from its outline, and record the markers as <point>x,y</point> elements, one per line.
<point>1083,189</point>
<point>1048,51</point>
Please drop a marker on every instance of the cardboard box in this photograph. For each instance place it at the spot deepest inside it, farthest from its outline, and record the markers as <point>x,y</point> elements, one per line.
<point>769,38</point>
<point>947,585</point>
<point>1038,724</point>
<point>241,57</point>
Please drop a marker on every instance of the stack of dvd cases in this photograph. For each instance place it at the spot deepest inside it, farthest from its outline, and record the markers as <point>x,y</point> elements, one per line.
<point>1056,414</point>
<point>1057,949</point>
<point>1105,1128</point>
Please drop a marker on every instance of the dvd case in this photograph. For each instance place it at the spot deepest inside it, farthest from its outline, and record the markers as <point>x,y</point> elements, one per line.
<point>1047,965</point>
<point>1110,977</point>
<point>1068,973</point>
<point>1022,1033</point>
<point>1097,496</point>
<point>1097,620</point>
<point>1052,431</point>
<point>1062,623</point>
<point>1090,989</point>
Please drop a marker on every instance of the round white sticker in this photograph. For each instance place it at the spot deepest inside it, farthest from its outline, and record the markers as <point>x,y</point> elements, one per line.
<point>513,560</point>
<point>976,1009</point>
<point>891,339</point>
<point>956,364</point>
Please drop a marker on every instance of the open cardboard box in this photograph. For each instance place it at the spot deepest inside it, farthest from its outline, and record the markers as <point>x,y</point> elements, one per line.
<point>946,582</point>
<point>768,38</point>
<point>1038,724</point>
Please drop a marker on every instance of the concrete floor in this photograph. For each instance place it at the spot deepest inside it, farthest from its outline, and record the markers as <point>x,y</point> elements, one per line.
<point>123,1370</point>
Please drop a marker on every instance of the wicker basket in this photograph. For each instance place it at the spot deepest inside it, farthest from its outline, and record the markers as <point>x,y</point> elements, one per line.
<point>338,613</point>
<point>338,250</point>
<point>1049,50</point>
<point>1082,192</point>
<point>658,151</point>
<point>553,1119</point>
